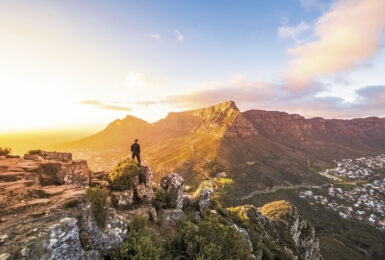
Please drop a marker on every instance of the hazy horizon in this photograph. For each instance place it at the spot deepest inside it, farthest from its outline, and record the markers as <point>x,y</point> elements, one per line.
<point>69,64</point>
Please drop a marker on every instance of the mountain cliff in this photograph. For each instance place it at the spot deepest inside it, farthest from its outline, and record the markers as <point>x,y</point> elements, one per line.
<point>261,148</point>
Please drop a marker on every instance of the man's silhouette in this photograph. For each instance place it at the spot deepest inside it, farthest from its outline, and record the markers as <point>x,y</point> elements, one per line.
<point>135,149</point>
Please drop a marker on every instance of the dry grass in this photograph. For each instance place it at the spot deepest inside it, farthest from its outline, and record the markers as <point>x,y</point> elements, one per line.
<point>277,210</point>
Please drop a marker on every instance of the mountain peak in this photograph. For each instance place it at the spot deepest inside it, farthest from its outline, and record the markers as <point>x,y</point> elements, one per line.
<point>226,105</point>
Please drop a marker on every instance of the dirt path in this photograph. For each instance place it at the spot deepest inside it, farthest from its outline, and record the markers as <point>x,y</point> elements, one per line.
<point>280,187</point>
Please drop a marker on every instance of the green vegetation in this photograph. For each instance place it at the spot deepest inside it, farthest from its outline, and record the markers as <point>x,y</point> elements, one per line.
<point>343,237</point>
<point>213,239</point>
<point>140,243</point>
<point>98,198</point>
<point>160,201</point>
<point>277,210</point>
<point>5,151</point>
<point>122,175</point>
<point>213,168</point>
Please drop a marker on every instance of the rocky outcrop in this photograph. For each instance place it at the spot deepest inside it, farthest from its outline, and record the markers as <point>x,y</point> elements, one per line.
<point>103,239</point>
<point>282,225</point>
<point>171,217</point>
<point>60,241</point>
<point>38,154</point>
<point>204,197</point>
<point>122,200</point>
<point>173,184</point>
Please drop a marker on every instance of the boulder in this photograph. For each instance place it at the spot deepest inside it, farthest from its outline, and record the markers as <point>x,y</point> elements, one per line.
<point>173,184</point>
<point>63,173</point>
<point>123,199</point>
<point>60,241</point>
<point>204,197</point>
<point>245,235</point>
<point>104,239</point>
<point>171,217</point>
<point>143,194</point>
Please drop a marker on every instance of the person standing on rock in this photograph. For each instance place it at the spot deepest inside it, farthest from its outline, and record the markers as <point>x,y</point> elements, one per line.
<point>135,149</point>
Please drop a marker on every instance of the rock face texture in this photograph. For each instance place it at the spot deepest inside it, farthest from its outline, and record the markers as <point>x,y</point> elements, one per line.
<point>123,199</point>
<point>60,241</point>
<point>173,184</point>
<point>94,237</point>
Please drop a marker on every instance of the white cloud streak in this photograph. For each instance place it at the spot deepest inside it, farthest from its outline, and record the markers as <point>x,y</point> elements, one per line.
<point>179,35</point>
<point>348,34</point>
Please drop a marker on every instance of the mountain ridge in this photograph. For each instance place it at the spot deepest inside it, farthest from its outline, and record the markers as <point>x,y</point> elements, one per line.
<point>263,148</point>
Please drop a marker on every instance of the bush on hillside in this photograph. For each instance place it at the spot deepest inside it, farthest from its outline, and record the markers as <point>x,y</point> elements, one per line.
<point>160,200</point>
<point>212,239</point>
<point>122,175</point>
<point>213,168</point>
<point>98,198</point>
<point>5,151</point>
<point>277,210</point>
<point>139,242</point>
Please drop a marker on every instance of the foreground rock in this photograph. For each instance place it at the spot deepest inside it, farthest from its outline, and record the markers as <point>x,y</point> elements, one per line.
<point>103,239</point>
<point>281,224</point>
<point>173,184</point>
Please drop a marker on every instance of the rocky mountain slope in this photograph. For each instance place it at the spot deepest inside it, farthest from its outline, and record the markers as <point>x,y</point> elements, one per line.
<point>262,148</point>
<point>45,214</point>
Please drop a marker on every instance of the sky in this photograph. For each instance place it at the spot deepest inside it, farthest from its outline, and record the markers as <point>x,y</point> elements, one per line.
<point>82,64</point>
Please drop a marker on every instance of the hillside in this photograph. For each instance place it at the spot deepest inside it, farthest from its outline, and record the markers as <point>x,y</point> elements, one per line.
<point>53,208</point>
<point>260,148</point>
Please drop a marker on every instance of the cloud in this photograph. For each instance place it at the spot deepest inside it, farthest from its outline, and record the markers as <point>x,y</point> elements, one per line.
<point>373,95</point>
<point>293,32</point>
<point>138,80</point>
<point>156,36</point>
<point>100,104</point>
<point>213,92</point>
<point>348,34</point>
<point>278,97</point>
<point>179,35</point>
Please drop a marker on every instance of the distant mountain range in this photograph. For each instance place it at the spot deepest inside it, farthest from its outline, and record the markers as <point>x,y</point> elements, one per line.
<point>259,148</point>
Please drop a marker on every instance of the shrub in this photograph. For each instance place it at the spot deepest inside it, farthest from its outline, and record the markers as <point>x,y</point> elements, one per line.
<point>5,151</point>
<point>37,151</point>
<point>213,168</point>
<point>277,210</point>
<point>139,243</point>
<point>160,201</point>
<point>122,175</point>
<point>98,198</point>
<point>211,240</point>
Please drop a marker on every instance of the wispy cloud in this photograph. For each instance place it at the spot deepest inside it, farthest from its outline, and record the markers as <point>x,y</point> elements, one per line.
<point>179,35</point>
<point>293,32</point>
<point>100,104</point>
<point>348,34</point>
<point>155,36</point>
<point>262,95</point>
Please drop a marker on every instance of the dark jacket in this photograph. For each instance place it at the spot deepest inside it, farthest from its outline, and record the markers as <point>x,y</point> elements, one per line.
<point>135,148</point>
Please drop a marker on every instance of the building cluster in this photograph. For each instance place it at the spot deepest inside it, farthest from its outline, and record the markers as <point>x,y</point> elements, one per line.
<point>100,161</point>
<point>363,201</point>
<point>358,169</point>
